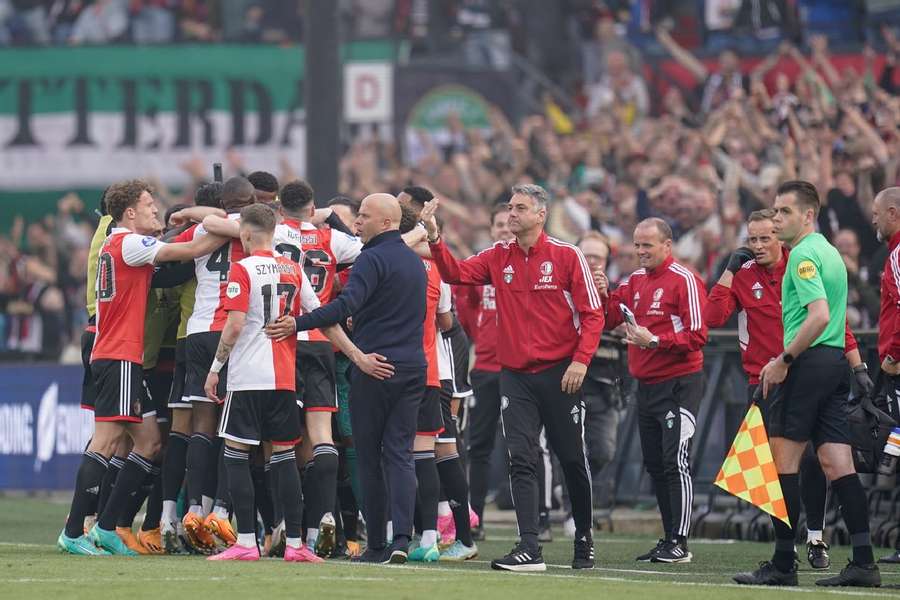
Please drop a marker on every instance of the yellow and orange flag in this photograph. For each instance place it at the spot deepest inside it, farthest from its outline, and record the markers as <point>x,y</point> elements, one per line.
<point>749,470</point>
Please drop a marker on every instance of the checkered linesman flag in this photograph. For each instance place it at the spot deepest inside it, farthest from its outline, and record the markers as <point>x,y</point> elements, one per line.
<point>749,470</point>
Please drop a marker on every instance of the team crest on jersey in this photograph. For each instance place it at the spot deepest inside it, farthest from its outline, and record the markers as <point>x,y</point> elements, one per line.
<point>508,273</point>
<point>546,267</point>
<point>233,289</point>
<point>148,241</point>
<point>757,290</point>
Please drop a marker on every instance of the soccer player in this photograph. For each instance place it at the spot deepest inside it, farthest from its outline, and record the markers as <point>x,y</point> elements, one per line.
<point>321,252</point>
<point>814,379</point>
<point>123,282</point>
<point>203,331</point>
<point>665,337</point>
<point>751,284</point>
<point>550,319</point>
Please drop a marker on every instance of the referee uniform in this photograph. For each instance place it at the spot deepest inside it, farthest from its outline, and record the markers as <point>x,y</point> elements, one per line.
<point>548,315</point>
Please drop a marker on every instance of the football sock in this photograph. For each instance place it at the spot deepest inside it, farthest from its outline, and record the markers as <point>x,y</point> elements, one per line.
<point>855,509</point>
<point>87,488</point>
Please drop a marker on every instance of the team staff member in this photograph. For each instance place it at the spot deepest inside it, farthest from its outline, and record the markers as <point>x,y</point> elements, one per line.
<point>549,317</point>
<point>886,219</point>
<point>385,294</point>
<point>814,379</point>
<point>665,356</point>
<point>485,376</point>
<point>125,268</point>
<point>751,284</point>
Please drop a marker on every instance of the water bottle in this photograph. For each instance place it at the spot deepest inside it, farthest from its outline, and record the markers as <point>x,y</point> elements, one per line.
<point>887,466</point>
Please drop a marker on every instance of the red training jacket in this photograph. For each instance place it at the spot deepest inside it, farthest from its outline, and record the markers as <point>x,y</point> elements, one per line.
<point>756,293</point>
<point>548,309</point>
<point>889,317</point>
<point>479,305</point>
<point>668,301</point>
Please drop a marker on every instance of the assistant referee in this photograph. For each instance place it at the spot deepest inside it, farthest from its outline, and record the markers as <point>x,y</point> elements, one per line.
<point>549,318</point>
<point>814,381</point>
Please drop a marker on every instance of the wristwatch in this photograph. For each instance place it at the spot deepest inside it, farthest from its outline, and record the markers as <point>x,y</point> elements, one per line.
<point>787,358</point>
<point>654,342</point>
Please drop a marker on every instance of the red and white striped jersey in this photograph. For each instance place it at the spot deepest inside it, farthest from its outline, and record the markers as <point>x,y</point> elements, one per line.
<point>323,250</point>
<point>265,287</point>
<point>124,271</point>
<point>212,277</point>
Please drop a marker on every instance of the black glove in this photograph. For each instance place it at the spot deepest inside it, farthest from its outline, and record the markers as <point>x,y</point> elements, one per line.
<point>861,373</point>
<point>739,257</point>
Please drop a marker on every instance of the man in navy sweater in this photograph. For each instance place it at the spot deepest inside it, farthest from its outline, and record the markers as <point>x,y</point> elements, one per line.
<point>385,295</point>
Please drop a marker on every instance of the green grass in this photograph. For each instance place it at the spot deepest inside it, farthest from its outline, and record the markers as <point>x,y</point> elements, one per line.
<point>30,567</point>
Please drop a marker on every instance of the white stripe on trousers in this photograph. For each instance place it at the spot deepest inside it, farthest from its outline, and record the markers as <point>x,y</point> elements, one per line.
<point>684,474</point>
<point>548,470</point>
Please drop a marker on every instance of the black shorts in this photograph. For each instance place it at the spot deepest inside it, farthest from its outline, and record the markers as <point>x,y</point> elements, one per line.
<point>448,436</point>
<point>812,403</point>
<point>458,349</point>
<point>176,392</point>
<point>251,417</point>
<point>429,421</point>
<point>159,381</point>
<point>316,381</point>
<point>88,387</point>
<point>120,391</point>
<point>200,350</point>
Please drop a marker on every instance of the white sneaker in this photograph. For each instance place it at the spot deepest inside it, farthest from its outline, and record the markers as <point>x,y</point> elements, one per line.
<point>569,528</point>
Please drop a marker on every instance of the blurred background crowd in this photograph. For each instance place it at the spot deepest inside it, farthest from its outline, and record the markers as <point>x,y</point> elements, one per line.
<point>693,111</point>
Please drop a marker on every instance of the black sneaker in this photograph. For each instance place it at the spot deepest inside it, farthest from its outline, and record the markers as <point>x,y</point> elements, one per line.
<point>478,533</point>
<point>817,554</point>
<point>371,555</point>
<point>854,575</point>
<point>396,554</point>
<point>672,552</point>
<point>584,553</point>
<point>648,556</point>
<point>521,559</point>
<point>768,574</point>
<point>891,559</point>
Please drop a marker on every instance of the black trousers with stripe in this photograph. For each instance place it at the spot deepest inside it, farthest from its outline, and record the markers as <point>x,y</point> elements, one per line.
<point>667,421</point>
<point>530,401</point>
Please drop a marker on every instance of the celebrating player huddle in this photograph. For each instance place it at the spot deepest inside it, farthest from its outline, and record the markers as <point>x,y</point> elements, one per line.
<point>252,420</point>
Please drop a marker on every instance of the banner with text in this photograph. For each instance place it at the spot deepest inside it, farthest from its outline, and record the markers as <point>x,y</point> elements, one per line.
<point>79,116</point>
<point>43,429</point>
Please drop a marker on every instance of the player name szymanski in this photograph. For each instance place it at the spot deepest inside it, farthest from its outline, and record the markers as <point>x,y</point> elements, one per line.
<point>266,269</point>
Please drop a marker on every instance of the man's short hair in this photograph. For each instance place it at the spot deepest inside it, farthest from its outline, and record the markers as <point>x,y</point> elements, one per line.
<point>237,193</point>
<point>345,201</point>
<point>534,191</point>
<point>171,211</point>
<point>806,194</point>
<point>664,229</point>
<point>296,195</point>
<point>418,195</point>
<point>258,216</point>
<point>595,236</point>
<point>263,181</point>
<point>889,195</point>
<point>408,219</point>
<point>496,210</point>
<point>209,194</point>
<point>765,214</point>
<point>123,195</point>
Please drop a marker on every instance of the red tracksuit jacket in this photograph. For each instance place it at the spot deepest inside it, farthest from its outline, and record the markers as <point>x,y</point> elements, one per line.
<point>479,305</point>
<point>548,309</point>
<point>756,293</point>
<point>889,317</point>
<point>668,301</point>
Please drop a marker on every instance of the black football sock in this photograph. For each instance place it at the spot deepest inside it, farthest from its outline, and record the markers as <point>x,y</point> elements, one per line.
<point>429,489</point>
<point>454,483</point>
<point>855,509</point>
<point>325,458</point>
<point>87,487</point>
<point>109,481</point>
<point>135,471</point>
<point>240,488</point>
<point>784,555</point>
<point>198,455</point>
<point>154,502</point>
<point>284,468</point>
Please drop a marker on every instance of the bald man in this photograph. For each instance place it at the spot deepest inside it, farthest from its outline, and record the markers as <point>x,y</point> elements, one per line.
<point>386,298</point>
<point>886,219</point>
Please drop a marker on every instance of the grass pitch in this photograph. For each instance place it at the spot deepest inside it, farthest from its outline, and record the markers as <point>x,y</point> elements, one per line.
<point>31,567</point>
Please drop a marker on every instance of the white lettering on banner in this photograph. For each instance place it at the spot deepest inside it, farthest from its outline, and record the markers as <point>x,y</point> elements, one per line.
<point>16,429</point>
<point>155,153</point>
<point>74,428</point>
<point>368,92</point>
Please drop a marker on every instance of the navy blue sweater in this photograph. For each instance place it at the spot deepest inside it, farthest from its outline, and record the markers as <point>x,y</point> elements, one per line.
<point>385,295</point>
